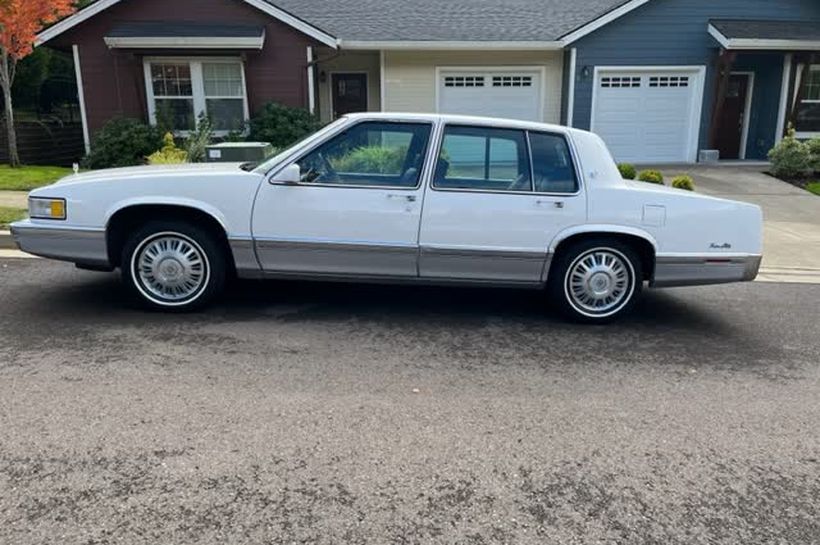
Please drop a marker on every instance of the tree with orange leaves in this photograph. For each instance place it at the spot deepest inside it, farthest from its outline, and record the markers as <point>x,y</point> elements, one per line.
<point>20,21</point>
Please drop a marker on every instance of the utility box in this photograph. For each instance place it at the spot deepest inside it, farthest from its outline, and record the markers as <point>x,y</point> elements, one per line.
<point>238,152</point>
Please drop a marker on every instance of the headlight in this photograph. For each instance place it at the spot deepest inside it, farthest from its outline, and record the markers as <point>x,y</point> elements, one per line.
<point>46,209</point>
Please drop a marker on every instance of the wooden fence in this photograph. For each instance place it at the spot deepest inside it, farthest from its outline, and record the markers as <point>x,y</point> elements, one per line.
<point>45,143</point>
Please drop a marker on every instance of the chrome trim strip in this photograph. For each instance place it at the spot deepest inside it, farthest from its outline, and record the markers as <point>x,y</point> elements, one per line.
<point>80,245</point>
<point>487,254</point>
<point>689,270</point>
<point>332,245</point>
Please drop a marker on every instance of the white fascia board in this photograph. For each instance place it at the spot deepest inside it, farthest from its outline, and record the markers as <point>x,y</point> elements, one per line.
<point>601,21</point>
<point>184,43</point>
<point>429,45</point>
<point>755,44</point>
<point>101,5</point>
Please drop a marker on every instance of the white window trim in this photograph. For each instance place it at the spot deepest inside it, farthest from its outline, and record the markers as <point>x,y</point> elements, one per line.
<point>197,87</point>
<point>747,111</point>
<point>805,135</point>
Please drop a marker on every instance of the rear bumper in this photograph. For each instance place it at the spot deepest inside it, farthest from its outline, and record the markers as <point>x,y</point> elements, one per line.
<point>700,270</point>
<point>82,246</point>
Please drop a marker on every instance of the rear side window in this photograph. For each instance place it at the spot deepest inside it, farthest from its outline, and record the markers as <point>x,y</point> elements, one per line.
<point>552,168</point>
<point>483,159</point>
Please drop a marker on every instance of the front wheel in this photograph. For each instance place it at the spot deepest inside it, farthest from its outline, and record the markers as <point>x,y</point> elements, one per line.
<point>596,280</point>
<point>173,266</point>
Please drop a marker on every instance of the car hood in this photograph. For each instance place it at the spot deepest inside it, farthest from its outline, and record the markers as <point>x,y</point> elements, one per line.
<point>125,173</point>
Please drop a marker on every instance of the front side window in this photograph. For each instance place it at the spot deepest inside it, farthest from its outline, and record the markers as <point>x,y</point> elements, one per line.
<point>808,111</point>
<point>369,154</point>
<point>552,169</point>
<point>483,159</point>
<point>179,91</point>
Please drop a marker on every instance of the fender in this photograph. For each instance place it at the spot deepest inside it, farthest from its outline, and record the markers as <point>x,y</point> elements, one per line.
<point>168,201</point>
<point>600,228</point>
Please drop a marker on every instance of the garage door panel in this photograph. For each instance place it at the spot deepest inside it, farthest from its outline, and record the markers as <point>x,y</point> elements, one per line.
<point>510,94</point>
<point>646,117</point>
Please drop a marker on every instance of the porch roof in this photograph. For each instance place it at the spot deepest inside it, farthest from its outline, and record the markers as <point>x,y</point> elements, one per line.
<point>176,35</point>
<point>747,34</point>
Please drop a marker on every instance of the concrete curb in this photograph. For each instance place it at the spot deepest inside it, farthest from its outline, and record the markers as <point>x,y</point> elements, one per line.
<point>7,241</point>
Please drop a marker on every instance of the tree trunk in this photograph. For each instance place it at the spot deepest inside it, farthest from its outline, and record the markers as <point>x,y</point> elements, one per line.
<point>6,79</point>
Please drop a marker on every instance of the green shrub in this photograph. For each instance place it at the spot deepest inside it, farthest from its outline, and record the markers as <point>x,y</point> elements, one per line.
<point>169,154</point>
<point>651,176</point>
<point>199,139</point>
<point>683,182</point>
<point>628,171</point>
<point>814,154</point>
<point>122,142</point>
<point>813,187</point>
<point>281,125</point>
<point>790,158</point>
<point>371,159</point>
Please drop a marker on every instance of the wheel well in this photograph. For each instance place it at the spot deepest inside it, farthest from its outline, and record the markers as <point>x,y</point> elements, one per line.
<point>640,245</point>
<point>128,219</point>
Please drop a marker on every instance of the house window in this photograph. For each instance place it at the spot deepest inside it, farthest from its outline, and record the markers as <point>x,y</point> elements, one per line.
<point>179,90</point>
<point>464,81</point>
<point>620,81</point>
<point>808,111</point>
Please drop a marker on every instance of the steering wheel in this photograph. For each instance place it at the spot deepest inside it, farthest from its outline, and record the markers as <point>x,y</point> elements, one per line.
<point>330,173</point>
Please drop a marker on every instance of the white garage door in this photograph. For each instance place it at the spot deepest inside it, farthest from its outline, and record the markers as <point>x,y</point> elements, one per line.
<point>514,95</point>
<point>648,117</point>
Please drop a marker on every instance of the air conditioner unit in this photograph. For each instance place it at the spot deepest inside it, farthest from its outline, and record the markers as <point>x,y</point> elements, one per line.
<point>238,152</point>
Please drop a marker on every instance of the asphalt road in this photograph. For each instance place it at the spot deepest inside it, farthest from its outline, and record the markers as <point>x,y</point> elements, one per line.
<point>301,413</point>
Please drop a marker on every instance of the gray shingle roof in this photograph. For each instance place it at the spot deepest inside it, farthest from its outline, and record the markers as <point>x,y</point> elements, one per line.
<point>767,30</point>
<point>448,20</point>
<point>186,30</point>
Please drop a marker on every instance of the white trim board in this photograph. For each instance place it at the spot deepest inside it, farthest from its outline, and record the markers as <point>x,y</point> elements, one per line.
<point>432,45</point>
<point>311,81</point>
<point>199,42</point>
<point>601,21</point>
<point>697,110</point>
<point>573,59</point>
<point>747,110</point>
<point>784,98</point>
<point>78,74</point>
<point>751,44</point>
<point>101,5</point>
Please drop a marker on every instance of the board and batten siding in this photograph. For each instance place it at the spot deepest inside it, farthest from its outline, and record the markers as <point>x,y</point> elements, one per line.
<point>674,33</point>
<point>410,77</point>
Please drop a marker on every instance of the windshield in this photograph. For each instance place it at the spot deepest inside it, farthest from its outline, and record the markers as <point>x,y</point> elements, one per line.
<point>269,163</point>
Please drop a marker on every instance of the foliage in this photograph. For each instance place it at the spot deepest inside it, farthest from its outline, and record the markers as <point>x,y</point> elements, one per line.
<point>123,142</point>
<point>628,171</point>
<point>683,182</point>
<point>651,176</point>
<point>281,125</point>
<point>27,178</point>
<point>169,154</point>
<point>199,139</point>
<point>9,214</point>
<point>790,157</point>
<point>20,21</point>
<point>814,154</point>
<point>813,187</point>
<point>371,159</point>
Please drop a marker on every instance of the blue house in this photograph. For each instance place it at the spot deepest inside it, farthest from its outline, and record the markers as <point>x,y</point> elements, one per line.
<point>661,80</point>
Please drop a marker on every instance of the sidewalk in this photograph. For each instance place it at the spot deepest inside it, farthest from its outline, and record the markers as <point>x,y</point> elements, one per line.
<point>14,199</point>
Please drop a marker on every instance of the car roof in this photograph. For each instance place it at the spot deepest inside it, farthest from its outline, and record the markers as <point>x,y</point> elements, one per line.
<point>462,120</point>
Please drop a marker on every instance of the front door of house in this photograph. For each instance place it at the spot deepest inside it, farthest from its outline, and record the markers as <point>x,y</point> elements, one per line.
<point>732,117</point>
<point>349,93</point>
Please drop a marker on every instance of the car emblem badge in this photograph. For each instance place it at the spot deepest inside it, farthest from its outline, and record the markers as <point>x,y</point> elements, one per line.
<point>724,246</point>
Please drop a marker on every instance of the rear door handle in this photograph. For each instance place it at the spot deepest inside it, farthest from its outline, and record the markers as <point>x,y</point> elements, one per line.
<point>402,196</point>
<point>550,202</point>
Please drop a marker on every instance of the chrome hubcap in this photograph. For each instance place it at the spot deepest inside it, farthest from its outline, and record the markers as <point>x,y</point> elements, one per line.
<point>171,267</point>
<point>599,281</point>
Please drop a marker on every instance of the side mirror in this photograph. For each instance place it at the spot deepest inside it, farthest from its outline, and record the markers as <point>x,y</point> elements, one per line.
<point>290,175</point>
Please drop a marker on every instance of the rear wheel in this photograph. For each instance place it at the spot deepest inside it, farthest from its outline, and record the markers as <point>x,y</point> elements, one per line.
<point>596,280</point>
<point>173,266</point>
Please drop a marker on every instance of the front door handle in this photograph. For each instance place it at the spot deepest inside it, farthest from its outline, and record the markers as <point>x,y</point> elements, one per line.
<point>408,198</point>
<point>550,202</point>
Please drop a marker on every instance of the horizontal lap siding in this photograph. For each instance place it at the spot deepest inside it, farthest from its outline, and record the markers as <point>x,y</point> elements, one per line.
<point>674,32</point>
<point>113,80</point>
<point>410,77</point>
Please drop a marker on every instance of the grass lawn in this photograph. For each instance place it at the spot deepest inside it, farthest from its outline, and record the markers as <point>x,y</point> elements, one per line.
<point>29,177</point>
<point>813,187</point>
<point>8,215</point>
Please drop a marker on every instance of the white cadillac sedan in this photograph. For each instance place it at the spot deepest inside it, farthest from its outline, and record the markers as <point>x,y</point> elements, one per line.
<point>400,198</point>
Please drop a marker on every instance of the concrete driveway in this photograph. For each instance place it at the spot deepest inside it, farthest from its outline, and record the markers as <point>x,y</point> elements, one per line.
<point>791,233</point>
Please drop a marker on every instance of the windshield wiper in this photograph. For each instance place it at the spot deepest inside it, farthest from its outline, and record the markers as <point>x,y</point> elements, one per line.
<point>249,165</point>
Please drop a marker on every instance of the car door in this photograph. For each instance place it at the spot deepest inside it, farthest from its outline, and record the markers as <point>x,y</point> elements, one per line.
<point>494,207</point>
<point>356,208</point>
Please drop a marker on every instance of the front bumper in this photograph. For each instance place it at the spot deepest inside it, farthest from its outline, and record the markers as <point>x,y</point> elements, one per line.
<point>701,270</point>
<point>83,246</point>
